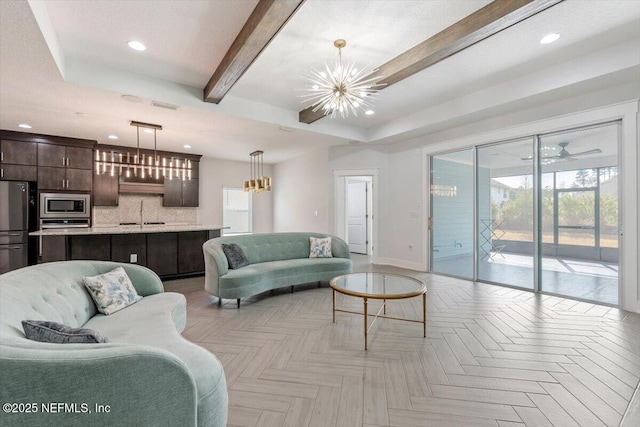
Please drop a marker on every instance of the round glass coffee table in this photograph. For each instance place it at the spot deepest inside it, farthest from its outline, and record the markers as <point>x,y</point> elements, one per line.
<point>381,286</point>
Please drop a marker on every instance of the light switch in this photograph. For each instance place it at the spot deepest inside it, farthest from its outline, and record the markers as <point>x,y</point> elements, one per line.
<point>133,258</point>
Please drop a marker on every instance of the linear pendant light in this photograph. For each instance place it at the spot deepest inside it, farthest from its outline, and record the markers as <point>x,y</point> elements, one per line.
<point>143,165</point>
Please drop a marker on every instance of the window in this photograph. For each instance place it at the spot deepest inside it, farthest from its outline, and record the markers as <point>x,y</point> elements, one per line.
<point>236,213</point>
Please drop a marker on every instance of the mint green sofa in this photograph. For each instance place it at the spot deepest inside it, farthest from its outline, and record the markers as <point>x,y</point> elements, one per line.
<point>147,375</point>
<point>275,260</point>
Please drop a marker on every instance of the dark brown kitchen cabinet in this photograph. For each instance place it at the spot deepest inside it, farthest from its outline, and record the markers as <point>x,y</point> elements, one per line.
<point>52,178</point>
<point>183,193</point>
<point>190,255</point>
<point>60,156</point>
<point>129,248</point>
<point>18,172</point>
<point>162,253</point>
<point>52,248</point>
<point>64,168</point>
<point>105,190</point>
<point>79,179</point>
<point>64,179</point>
<point>79,158</point>
<point>18,152</point>
<point>52,155</point>
<point>18,160</point>
<point>95,247</point>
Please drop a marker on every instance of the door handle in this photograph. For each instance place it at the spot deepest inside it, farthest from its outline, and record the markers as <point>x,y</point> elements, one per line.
<point>10,233</point>
<point>9,248</point>
<point>1,172</point>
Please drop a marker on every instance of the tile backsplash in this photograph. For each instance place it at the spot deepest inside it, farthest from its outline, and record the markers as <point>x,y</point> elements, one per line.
<point>128,210</point>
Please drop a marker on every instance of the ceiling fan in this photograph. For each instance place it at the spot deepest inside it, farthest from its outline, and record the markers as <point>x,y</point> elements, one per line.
<point>563,154</point>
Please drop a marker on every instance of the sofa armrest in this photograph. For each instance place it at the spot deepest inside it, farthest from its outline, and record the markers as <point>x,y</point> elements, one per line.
<point>339,248</point>
<point>145,280</point>
<point>145,384</point>
<point>215,266</point>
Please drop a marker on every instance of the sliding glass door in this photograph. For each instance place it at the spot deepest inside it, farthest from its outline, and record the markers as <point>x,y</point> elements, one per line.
<point>505,213</point>
<point>488,203</point>
<point>452,214</point>
<point>580,213</point>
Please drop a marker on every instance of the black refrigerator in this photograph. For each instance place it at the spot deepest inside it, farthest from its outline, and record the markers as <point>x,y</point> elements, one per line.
<point>17,219</point>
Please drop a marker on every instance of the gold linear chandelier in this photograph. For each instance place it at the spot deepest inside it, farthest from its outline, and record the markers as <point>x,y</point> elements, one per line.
<point>343,90</point>
<point>142,165</point>
<point>258,182</point>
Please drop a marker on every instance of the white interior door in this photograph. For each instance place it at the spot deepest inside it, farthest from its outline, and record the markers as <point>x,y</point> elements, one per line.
<point>357,216</point>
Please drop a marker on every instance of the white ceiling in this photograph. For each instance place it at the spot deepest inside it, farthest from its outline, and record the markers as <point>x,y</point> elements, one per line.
<point>186,40</point>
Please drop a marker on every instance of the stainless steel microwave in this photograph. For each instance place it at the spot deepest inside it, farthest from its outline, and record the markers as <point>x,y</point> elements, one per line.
<point>65,205</point>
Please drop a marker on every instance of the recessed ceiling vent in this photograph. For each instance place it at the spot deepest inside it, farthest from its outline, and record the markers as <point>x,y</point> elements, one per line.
<point>164,105</point>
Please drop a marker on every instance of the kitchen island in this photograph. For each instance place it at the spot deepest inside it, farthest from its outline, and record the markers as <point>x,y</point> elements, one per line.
<point>171,250</point>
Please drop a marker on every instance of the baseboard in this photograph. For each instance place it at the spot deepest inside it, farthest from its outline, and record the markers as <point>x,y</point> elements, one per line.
<point>402,264</point>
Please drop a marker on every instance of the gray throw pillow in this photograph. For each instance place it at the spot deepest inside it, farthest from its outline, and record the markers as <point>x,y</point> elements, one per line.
<point>57,333</point>
<point>235,255</point>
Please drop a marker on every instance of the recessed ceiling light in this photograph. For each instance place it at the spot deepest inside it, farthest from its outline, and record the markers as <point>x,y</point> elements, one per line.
<point>132,98</point>
<point>369,112</point>
<point>113,137</point>
<point>148,131</point>
<point>549,38</point>
<point>24,126</point>
<point>186,146</point>
<point>135,45</point>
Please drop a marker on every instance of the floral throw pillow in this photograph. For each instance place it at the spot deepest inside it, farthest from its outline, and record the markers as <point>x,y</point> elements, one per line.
<point>320,247</point>
<point>112,291</point>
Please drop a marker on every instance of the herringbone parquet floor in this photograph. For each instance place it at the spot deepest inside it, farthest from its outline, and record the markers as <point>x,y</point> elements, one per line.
<point>493,356</point>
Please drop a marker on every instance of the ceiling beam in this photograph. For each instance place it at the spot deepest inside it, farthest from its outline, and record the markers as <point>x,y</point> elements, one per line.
<point>481,24</point>
<point>266,20</point>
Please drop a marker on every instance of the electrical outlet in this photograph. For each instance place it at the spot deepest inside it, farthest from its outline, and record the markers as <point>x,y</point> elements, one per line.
<point>315,213</point>
<point>133,258</point>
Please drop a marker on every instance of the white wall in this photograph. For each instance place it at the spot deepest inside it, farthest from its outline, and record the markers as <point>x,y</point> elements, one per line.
<point>215,174</point>
<point>300,189</point>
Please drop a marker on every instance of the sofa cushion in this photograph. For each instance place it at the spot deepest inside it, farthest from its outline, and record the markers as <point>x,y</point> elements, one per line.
<point>57,333</point>
<point>320,247</point>
<point>111,291</point>
<point>235,256</point>
<point>157,321</point>
<point>272,271</point>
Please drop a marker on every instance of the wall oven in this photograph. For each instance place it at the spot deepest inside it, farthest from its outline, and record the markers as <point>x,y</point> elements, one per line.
<point>65,206</point>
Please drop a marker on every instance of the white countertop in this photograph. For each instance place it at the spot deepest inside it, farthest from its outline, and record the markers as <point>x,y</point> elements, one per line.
<point>125,229</point>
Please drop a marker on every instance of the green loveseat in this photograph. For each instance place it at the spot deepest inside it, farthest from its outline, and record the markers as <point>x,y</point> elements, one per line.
<point>275,260</point>
<point>147,375</point>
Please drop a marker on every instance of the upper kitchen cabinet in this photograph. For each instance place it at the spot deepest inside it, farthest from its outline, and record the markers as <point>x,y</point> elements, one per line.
<point>56,162</point>
<point>62,167</point>
<point>18,160</point>
<point>52,155</point>
<point>105,190</point>
<point>183,193</point>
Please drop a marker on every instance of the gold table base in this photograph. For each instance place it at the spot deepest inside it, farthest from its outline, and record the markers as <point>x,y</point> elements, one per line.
<point>368,326</point>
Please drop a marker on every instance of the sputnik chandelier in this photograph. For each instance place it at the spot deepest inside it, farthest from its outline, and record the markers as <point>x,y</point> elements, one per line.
<point>342,90</point>
<point>258,181</point>
<point>142,165</point>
